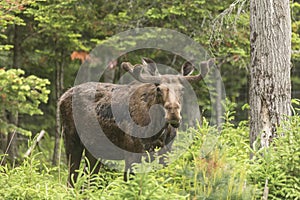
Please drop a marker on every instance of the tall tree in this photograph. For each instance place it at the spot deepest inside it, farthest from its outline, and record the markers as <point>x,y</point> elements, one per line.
<point>270,84</point>
<point>13,117</point>
<point>19,94</point>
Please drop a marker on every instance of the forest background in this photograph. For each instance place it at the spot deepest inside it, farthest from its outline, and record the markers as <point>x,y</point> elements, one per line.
<point>43,44</point>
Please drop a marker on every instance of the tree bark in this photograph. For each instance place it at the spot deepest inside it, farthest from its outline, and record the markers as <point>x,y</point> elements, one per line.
<point>219,95</point>
<point>59,82</point>
<point>11,146</point>
<point>270,85</point>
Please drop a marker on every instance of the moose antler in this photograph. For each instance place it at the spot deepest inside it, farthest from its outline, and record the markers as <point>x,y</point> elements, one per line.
<point>205,66</point>
<point>136,72</point>
<point>150,66</point>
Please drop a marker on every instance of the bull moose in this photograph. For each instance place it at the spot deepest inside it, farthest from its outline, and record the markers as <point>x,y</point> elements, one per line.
<point>96,104</point>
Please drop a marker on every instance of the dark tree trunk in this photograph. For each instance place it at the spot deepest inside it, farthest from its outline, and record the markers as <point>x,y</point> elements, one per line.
<point>59,82</point>
<point>270,84</point>
<point>11,146</point>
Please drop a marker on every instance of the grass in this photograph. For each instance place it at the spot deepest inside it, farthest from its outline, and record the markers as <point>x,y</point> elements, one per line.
<point>212,166</point>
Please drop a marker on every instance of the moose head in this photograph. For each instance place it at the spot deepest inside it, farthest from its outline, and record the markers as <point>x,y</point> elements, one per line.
<point>168,88</point>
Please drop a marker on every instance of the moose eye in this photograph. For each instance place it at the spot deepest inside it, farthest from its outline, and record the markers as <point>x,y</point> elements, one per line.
<point>168,107</point>
<point>176,107</point>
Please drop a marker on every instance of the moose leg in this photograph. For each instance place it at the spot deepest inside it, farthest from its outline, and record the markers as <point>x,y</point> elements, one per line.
<point>74,163</point>
<point>168,142</point>
<point>129,160</point>
<point>94,163</point>
<point>162,153</point>
<point>74,150</point>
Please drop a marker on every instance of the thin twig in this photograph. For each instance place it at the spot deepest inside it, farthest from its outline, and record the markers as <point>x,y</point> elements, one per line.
<point>39,137</point>
<point>8,146</point>
<point>219,20</point>
<point>266,191</point>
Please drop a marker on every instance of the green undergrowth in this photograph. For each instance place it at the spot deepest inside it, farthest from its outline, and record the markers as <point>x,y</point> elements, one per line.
<point>279,165</point>
<point>215,165</point>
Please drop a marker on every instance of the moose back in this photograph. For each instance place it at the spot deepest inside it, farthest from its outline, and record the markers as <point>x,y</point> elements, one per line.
<point>123,122</point>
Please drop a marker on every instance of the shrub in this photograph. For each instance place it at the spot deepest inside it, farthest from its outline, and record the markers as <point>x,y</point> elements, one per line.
<point>279,164</point>
<point>215,165</point>
<point>31,180</point>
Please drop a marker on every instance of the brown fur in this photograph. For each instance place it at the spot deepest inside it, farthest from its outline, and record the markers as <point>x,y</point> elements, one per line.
<point>95,100</point>
<point>143,97</point>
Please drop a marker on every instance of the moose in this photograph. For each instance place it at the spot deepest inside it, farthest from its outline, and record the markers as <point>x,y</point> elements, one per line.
<point>152,102</point>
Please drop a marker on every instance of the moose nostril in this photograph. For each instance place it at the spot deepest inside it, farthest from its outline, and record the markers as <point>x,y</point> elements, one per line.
<point>174,123</point>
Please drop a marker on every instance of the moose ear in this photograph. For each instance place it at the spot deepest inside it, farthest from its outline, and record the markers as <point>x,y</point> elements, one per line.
<point>127,66</point>
<point>206,65</point>
<point>187,68</point>
<point>150,66</point>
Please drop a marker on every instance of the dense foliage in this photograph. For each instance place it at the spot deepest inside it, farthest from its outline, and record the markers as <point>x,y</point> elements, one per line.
<point>20,94</point>
<point>41,35</point>
<point>49,31</point>
<point>215,166</point>
<point>280,164</point>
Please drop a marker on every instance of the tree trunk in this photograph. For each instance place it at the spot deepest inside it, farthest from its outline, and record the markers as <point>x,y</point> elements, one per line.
<point>11,146</point>
<point>219,97</point>
<point>270,84</point>
<point>59,82</point>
